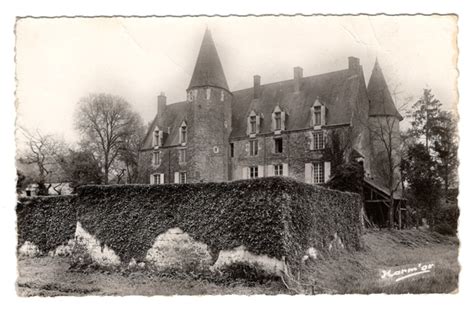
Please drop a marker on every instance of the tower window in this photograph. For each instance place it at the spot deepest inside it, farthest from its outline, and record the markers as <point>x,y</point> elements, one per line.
<point>231,149</point>
<point>278,142</point>
<point>318,173</point>
<point>183,133</point>
<point>253,148</point>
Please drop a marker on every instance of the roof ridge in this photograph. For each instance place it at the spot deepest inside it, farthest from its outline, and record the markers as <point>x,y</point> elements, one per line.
<point>289,80</point>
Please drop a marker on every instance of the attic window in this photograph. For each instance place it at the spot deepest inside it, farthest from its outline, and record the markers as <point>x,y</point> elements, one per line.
<point>318,112</point>
<point>253,124</point>
<point>317,116</point>
<point>157,138</point>
<point>278,119</point>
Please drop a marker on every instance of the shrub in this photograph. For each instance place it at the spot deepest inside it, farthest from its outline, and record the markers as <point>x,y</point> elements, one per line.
<point>47,222</point>
<point>278,217</point>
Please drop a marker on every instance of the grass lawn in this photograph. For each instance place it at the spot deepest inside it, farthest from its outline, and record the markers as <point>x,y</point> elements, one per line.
<point>356,272</point>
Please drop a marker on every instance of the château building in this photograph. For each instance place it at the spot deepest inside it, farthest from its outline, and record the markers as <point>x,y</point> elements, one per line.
<point>301,127</point>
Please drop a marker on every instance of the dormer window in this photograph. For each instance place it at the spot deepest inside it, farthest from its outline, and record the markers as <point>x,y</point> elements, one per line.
<point>317,116</point>
<point>157,138</point>
<point>183,133</point>
<point>253,124</point>
<point>278,119</point>
<point>222,95</point>
<point>318,112</point>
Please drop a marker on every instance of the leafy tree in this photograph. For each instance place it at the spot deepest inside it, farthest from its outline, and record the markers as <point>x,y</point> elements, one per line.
<point>445,148</point>
<point>425,116</point>
<point>106,122</point>
<point>424,187</point>
<point>81,167</point>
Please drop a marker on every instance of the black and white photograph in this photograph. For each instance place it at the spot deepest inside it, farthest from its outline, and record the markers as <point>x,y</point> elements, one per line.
<point>237,155</point>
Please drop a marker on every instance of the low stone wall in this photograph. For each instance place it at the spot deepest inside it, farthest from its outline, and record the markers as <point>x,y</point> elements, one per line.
<point>271,224</point>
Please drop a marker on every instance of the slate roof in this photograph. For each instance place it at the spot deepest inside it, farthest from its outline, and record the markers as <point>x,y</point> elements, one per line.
<point>380,99</point>
<point>336,90</point>
<point>174,115</point>
<point>208,70</point>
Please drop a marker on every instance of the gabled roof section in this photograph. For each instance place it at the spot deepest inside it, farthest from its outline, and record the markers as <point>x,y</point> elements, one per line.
<point>174,115</point>
<point>208,71</point>
<point>337,91</point>
<point>380,99</point>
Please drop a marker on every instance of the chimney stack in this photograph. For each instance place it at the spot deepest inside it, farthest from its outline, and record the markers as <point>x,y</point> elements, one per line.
<point>354,63</point>
<point>161,105</point>
<point>256,86</point>
<point>298,74</point>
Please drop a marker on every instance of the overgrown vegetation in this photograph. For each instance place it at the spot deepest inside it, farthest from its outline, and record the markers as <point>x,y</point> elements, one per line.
<point>47,222</point>
<point>278,217</point>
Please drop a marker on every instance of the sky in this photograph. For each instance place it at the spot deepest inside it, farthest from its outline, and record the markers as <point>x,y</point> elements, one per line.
<point>60,60</point>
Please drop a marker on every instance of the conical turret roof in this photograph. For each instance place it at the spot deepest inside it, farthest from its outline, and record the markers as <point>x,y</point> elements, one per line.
<point>208,71</point>
<point>380,99</point>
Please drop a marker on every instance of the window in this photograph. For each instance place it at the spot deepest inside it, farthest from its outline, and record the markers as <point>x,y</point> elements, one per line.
<point>182,156</point>
<point>318,140</point>
<point>183,134</point>
<point>157,138</point>
<point>222,95</point>
<point>318,173</point>
<point>156,159</point>
<point>253,124</point>
<point>317,115</point>
<point>278,142</point>
<point>208,93</point>
<point>253,148</point>
<point>278,170</point>
<point>231,149</point>
<point>277,120</point>
<point>253,172</point>
<point>157,178</point>
<point>182,177</point>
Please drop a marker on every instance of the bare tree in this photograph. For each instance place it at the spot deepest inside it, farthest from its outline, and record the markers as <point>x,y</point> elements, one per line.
<point>105,122</point>
<point>45,152</point>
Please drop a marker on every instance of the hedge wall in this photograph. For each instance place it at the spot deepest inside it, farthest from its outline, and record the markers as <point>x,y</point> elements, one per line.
<point>273,216</point>
<point>48,221</point>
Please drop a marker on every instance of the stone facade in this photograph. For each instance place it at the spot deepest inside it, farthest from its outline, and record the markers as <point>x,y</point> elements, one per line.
<point>233,135</point>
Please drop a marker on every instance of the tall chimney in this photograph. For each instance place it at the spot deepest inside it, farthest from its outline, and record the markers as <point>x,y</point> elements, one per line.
<point>298,74</point>
<point>161,105</point>
<point>354,63</point>
<point>256,87</point>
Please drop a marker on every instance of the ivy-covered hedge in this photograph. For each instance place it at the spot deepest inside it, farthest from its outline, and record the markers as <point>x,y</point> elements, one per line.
<point>47,222</point>
<point>272,216</point>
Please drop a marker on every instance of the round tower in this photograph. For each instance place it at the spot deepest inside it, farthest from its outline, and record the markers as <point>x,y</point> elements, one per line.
<point>209,118</point>
<point>384,125</point>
